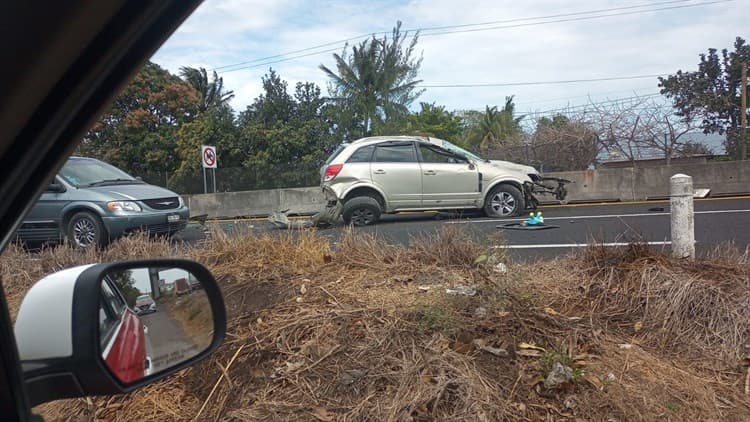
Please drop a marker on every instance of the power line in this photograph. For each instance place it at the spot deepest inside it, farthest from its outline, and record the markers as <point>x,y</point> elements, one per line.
<point>576,19</point>
<point>571,81</point>
<point>591,104</point>
<point>645,9</point>
<point>339,42</point>
<point>636,91</point>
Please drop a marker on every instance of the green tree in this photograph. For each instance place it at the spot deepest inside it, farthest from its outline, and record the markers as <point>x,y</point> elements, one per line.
<point>137,133</point>
<point>434,120</point>
<point>712,93</point>
<point>495,128</point>
<point>377,81</point>
<point>286,137</point>
<point>125,283</point>
<point>212,93</point>
<point>213,127</point>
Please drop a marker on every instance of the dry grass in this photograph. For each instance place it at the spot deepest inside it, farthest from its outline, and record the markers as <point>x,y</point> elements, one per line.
<point>373,335</point>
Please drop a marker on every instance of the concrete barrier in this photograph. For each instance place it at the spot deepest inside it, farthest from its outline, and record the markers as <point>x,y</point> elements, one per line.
<point>619,184</point>
<point>254,203</point>
<point>642,183</point>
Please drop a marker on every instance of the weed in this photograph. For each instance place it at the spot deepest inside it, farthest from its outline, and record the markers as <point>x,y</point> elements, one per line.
<point>435,318</point>
<point>673,406</point>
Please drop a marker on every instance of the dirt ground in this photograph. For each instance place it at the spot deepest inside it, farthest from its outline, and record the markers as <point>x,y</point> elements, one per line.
<point>444,329</point>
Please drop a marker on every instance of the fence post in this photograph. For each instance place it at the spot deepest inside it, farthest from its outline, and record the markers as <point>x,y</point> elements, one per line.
<point>683,224</point>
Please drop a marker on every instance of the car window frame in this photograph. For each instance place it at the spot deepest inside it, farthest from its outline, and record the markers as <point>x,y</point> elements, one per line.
<point>369,160</point>
<point>396,144</point>
<point>439,150</point>
<point>115,316</point>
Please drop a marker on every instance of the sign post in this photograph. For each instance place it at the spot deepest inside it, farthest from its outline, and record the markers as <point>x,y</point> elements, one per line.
<point>208,160</point>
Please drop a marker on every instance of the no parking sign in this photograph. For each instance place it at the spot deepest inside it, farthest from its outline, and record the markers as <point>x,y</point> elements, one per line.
<point>208,157</point>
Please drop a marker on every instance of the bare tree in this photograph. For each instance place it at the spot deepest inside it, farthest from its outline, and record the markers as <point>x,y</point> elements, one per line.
<point>665,129</point>
<point>621,127</point>
<point>563,142</point>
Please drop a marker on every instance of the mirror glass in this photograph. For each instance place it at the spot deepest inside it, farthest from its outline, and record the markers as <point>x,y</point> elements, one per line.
<point>151,319</point>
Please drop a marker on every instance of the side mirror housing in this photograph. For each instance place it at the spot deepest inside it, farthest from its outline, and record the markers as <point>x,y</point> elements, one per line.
<point>112,328</point>
<point>55,188</point>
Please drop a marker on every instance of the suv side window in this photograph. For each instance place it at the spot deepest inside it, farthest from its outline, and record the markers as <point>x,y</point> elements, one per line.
<point>439,155</point>
<point>362,155</point>
<point>397,153</point>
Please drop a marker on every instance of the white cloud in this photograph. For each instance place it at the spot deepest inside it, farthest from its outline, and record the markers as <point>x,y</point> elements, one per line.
<point>223,32</point>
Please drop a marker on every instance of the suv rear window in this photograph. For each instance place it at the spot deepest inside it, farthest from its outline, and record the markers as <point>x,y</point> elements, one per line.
<point>362,155</point>
<point>335,153</point>
<point>403,153</point>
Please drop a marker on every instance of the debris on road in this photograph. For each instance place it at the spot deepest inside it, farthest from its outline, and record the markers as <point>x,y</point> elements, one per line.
<point>461,290</point>
<point>481,344</point>
<point>328,217</point>
<point>559,376</point>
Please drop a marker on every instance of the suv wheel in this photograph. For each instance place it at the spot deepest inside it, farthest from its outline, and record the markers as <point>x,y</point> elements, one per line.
<point>361,211</point>
<point>85,230</point>
<point>504,201</point>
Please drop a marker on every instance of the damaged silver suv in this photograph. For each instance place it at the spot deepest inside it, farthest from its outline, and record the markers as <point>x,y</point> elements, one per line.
<point>376,175</point>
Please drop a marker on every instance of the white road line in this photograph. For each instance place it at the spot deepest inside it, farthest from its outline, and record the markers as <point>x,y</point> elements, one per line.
<point>580,217</point>
<point>577,245</point>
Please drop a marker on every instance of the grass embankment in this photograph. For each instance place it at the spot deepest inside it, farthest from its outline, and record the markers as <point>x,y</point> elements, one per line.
<point>366,331</point>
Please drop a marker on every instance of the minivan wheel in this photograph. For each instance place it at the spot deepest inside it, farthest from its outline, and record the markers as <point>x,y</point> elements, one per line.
<point>361,211</point>
<point>86,230</point>
<point>504,201</point>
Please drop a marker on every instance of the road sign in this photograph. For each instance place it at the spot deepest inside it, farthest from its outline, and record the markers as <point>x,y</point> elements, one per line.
<point>208,157</point>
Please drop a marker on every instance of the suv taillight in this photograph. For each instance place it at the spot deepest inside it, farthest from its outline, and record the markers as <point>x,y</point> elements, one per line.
<point>332,171</point>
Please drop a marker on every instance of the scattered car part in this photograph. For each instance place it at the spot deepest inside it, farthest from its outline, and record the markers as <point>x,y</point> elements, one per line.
<point>327,217</point>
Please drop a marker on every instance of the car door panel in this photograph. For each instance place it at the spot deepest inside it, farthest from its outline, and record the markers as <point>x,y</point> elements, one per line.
<point>44,220</point>
<point>447,180</point>
<point>396,171</point>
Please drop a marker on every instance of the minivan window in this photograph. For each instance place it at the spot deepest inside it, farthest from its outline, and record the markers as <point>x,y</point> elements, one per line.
<point>87,172</point>
<point>395,154</point>
<point>362,155</point>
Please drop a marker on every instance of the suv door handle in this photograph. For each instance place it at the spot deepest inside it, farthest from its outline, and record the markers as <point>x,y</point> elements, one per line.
<point>379,171</point>
<point>429,173</point>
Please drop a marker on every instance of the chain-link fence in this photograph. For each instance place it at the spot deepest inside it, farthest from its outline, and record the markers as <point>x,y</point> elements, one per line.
<point>234,179</point>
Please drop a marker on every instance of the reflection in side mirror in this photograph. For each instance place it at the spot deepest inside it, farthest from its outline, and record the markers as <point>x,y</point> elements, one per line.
<point>151,319</point>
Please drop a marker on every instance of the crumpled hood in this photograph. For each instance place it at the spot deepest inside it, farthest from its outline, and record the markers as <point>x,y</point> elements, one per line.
<point>134,192</point>
<point>513,167</point>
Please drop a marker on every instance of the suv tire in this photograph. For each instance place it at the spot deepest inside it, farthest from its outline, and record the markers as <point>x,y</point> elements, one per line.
<point>361,211</point>
<point>504,201</point>
<point>85,229</point>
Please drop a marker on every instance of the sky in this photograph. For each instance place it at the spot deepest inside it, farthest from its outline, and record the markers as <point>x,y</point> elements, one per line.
<point>530,41</point>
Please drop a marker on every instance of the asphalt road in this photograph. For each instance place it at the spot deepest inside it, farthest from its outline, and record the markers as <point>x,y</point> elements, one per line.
<point>167,343</point>
<point>717,221</point>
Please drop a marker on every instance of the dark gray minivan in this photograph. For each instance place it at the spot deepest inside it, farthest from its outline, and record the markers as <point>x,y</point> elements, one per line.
<point>91,202</point>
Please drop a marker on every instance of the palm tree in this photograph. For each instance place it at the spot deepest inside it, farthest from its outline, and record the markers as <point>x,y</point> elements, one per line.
<point>497,127</point>
<point>377,81</point>
<point>212,93</point>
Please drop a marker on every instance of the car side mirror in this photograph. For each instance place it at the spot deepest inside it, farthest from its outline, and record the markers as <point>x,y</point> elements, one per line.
<point>471,166</point>
<point>55,188</point>
<point>112,328</point>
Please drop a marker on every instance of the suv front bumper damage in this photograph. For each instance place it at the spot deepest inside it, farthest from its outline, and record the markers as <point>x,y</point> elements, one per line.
<point>541,185</point>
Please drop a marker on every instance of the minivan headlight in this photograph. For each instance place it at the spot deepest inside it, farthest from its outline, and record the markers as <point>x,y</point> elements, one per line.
<point>123,206</point>
<point>182,201</point>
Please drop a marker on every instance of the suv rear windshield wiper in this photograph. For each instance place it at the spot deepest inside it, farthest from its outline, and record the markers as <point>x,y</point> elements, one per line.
<point>115,182</point>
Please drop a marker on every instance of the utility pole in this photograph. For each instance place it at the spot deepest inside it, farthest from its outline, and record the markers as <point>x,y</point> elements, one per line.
<point>743,117</point>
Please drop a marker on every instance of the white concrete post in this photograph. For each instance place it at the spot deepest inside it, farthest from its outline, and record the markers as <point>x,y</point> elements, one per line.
<point>683,229</point>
